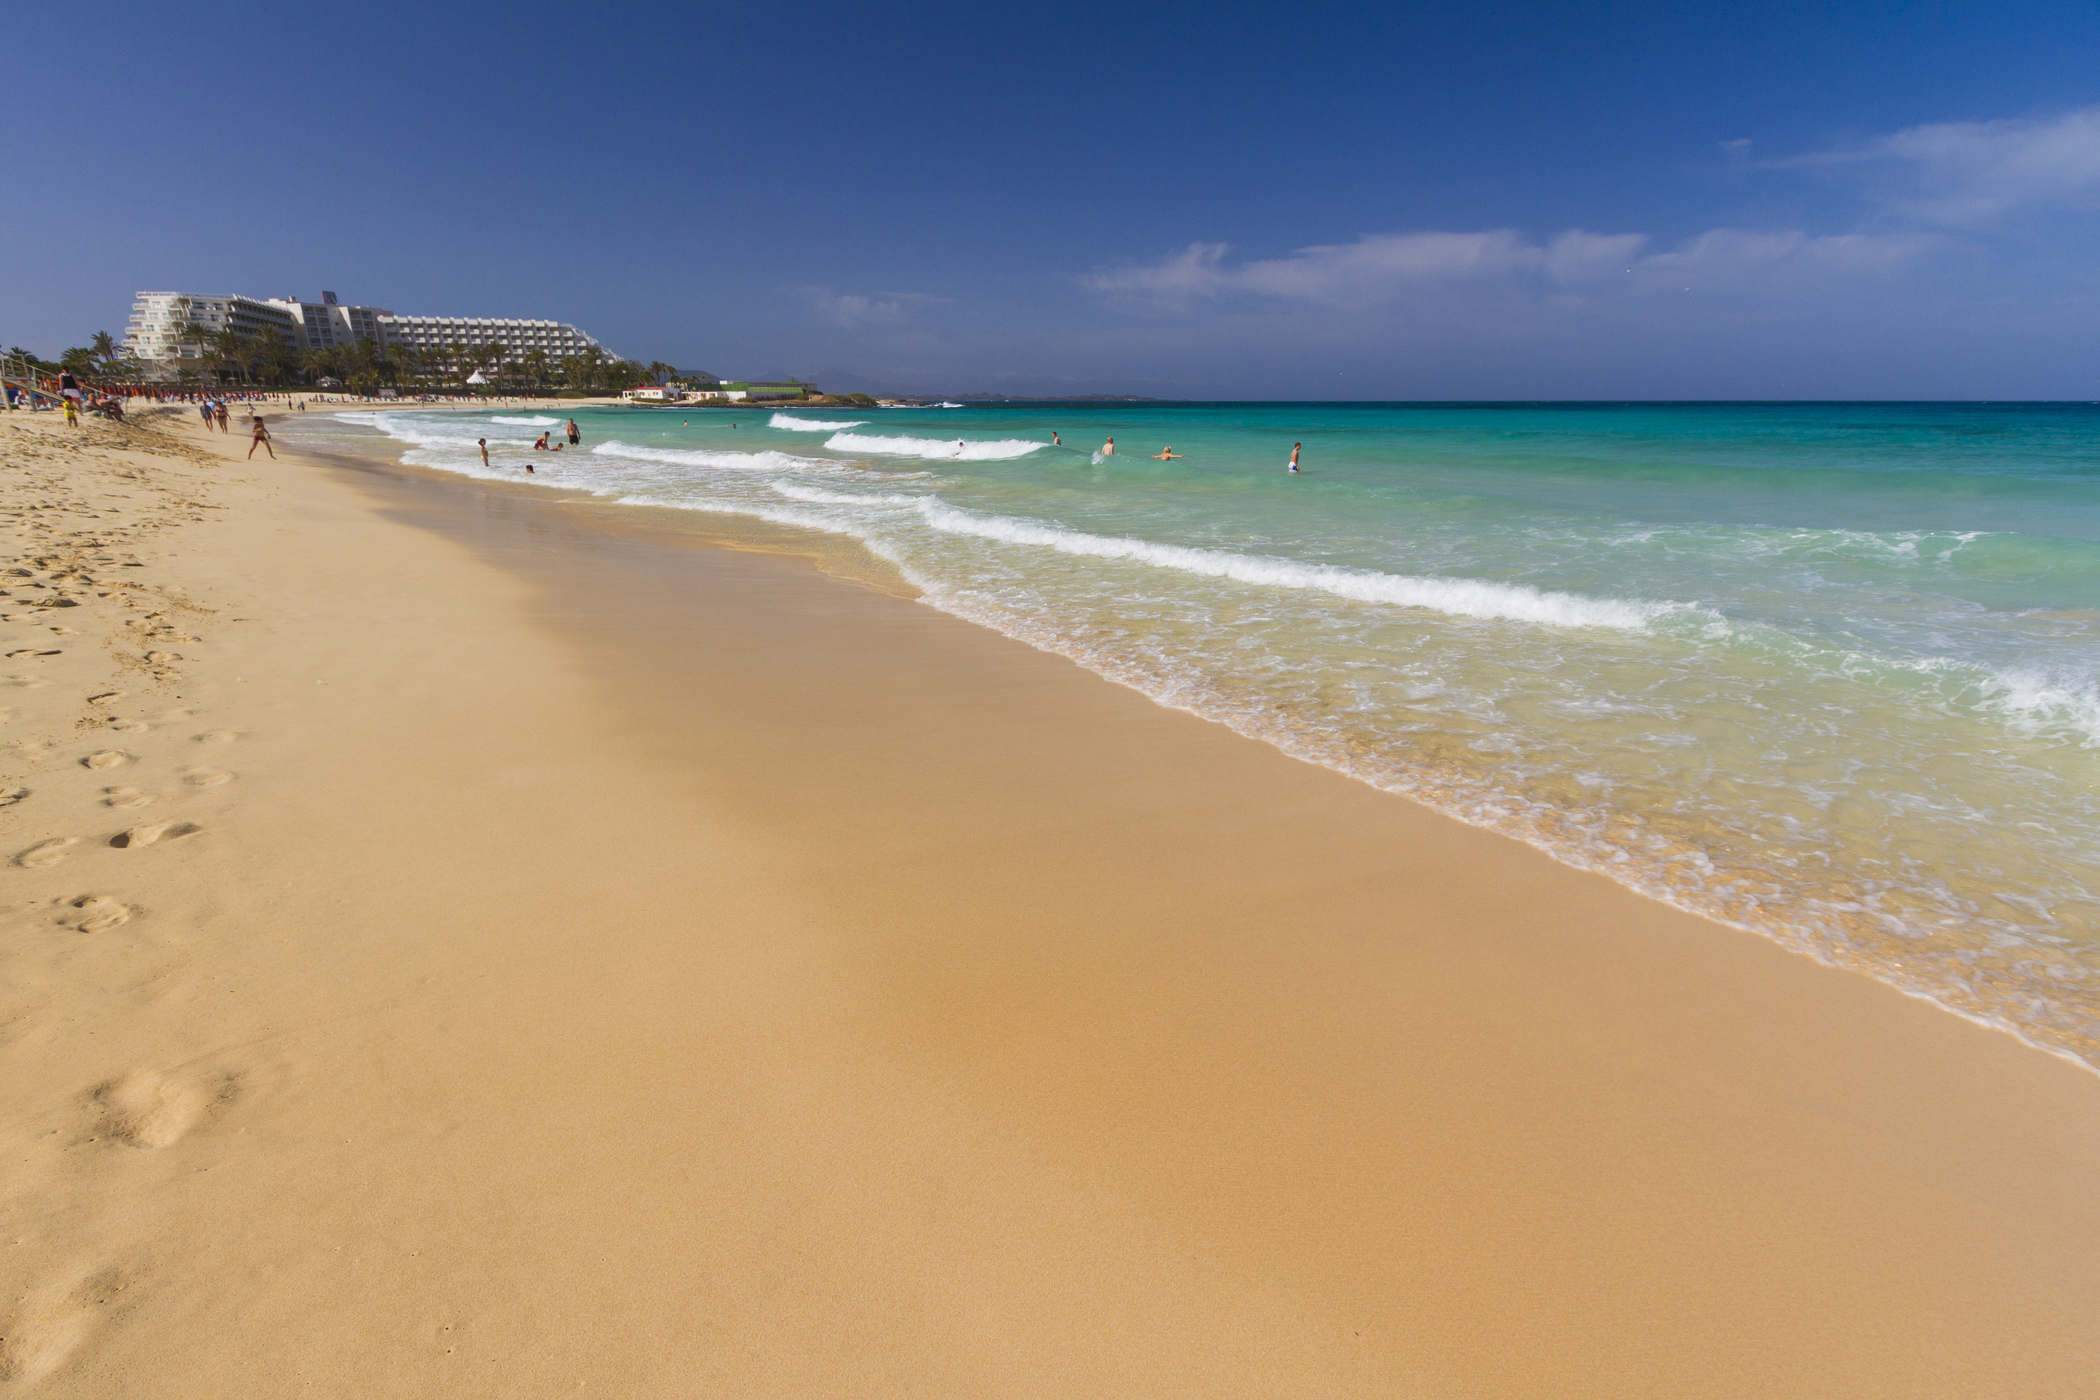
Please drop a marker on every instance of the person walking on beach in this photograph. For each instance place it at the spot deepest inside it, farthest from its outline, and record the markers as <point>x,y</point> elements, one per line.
<point>222,416</point>
<point>1296,447</point>
<point>72,412</point>
<point>575,433</point>
<point>259,436</point>
<point>204,412</point>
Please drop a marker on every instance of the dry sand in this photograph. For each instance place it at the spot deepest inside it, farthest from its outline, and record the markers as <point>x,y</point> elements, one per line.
<point>465,941</point>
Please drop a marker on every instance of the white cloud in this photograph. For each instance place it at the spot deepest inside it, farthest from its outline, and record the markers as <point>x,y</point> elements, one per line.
<point>1971,172</point>
<point>854,310</point>
<point>1388,266</point>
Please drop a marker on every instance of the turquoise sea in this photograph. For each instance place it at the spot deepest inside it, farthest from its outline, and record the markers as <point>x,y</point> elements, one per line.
<point>1829,672</point>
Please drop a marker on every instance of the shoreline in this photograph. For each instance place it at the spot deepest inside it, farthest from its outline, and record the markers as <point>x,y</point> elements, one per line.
<point>606,935</point>
<point>828,550</point>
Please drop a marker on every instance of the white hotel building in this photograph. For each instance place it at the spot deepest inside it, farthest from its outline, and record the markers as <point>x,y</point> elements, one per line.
<point>159,330</point>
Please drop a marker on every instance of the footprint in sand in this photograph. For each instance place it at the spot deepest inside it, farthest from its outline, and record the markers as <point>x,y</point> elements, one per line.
<point>129,726</point>
<point>105,697</point>
<point>11,796</point>
<point>107,758</point>
<point>33,651</point>
<point>153,833</point>
<point>125,797</point>
<point>216,736</point>
<point>94,913</point>
<point>43,1326</point>
<point>45,853</point>
<point>151,1110</point>
<point>206,777</point>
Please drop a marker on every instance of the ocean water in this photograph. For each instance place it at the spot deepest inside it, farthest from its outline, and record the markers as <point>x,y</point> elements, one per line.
<point>1827,672</point>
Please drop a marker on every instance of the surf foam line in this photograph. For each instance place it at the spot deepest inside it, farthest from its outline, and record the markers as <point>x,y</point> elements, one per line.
<point>700,457</point>
<point>1502,817</point>
<point>932,449</point>
<point>526,422</point>
<point>811,496</point>
<point>1506,602</point>
<point>814,425</point>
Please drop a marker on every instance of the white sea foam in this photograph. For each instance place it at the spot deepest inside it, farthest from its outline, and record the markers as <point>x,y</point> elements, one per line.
<point>1455,597</point>
<point>814,425</point>
<point>2037,701</point>
<point>700,457</point>
<point>932,449</point>
<point>527,422</point>
<point>809,495</point>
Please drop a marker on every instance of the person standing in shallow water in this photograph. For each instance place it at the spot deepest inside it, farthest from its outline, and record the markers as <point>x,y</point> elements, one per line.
<point>483,444</point>
<point>1296,447</point>
<point>1108,449</point>
<point>575,433</point>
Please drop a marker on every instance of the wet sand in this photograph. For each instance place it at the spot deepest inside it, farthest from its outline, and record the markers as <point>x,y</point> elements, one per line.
<point>618,963</point>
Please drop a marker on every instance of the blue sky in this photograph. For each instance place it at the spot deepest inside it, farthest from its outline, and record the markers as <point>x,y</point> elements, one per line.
<point>1211,201</point>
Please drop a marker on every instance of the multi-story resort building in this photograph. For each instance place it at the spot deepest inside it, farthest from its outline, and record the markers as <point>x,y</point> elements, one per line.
<point>164,326</point>
<point>436,335</point>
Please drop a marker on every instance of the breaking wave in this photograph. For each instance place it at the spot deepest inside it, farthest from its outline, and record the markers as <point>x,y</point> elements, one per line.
<point>932,449</point>
<point>1455,597</point>
<point>814,425</point>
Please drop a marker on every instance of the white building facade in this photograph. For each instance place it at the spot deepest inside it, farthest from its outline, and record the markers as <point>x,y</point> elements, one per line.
<point>163,325</point>
<point>436,336</point>
<point>164,330</point>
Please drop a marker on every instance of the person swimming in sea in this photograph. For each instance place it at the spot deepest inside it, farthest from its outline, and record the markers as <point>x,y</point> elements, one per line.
<point>1108,449</point>
<point>1055,440</point>
<point>1166,454</point>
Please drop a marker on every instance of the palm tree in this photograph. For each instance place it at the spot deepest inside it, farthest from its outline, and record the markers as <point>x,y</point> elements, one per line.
<point>198,336</point>
<point>360,364</point>
<point>235,351</point>
<point>103,346</point>
<point>535,366</point>
<point>285,361</point>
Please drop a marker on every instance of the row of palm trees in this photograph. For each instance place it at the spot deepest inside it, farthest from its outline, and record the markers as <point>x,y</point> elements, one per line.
<point>225,356</point>
<point>100,359</point>
<point>365,366</point>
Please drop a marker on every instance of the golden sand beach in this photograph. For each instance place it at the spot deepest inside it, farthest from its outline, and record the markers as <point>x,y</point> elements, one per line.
<point>463,941</point>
